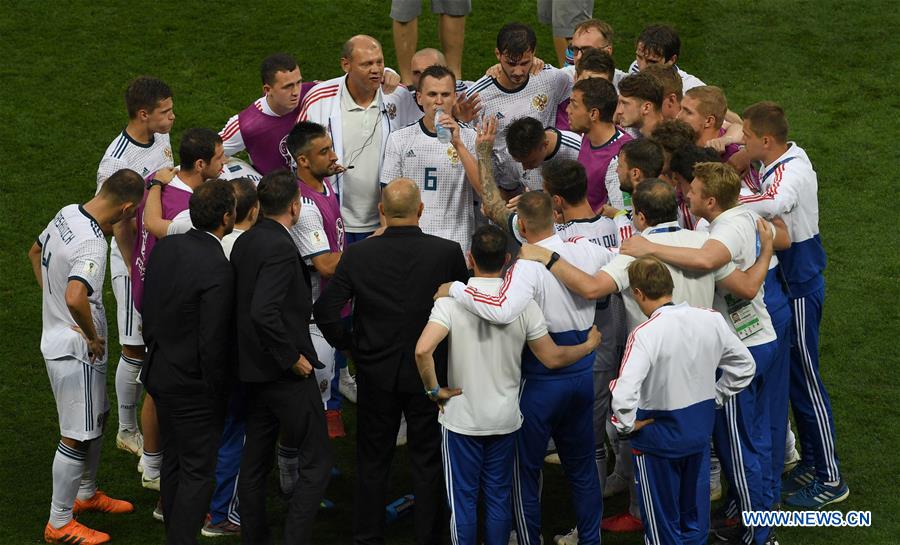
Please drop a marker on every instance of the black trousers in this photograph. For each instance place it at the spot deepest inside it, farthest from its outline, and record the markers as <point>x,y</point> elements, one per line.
<point>190,428</point>
<point>377,423</point>
<point>293,408</point>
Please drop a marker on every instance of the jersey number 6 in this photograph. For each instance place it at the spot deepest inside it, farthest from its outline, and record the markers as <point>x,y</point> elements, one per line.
<point>430,179</point>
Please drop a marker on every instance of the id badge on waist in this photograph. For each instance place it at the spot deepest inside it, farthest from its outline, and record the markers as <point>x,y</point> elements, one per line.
<point>742,316</point>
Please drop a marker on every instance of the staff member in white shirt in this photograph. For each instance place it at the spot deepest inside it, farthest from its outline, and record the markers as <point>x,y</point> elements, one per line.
<point>485,371</point>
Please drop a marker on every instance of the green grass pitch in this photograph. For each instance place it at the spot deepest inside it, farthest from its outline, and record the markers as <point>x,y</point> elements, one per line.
<point>64,66</point>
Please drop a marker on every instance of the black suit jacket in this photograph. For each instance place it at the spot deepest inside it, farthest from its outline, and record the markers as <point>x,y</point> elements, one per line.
<point>273,304</point>
<point>187,312</point>
<point>391,280</point>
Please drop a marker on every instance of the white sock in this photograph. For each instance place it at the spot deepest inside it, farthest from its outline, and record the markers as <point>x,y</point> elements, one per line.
<point>128,391</point>
<point>68,466</point>
<point>152,462</point>
<point>345,373</point>
<point>88,486</point>
<point>288,467</point>
<point>790,443</point>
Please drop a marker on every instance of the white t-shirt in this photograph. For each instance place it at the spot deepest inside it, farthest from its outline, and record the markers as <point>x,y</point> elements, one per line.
<point>736,229</point>
<point>145,159</point>
<point>229,240</point>
<point>414,152</point>
<point>73,247</point>
<point>485,360</point>
<point>692,287</point>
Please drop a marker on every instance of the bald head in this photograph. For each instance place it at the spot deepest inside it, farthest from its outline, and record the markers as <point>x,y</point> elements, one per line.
<point>422,60</point>
<point>360,41</point>
<point>401,201</point>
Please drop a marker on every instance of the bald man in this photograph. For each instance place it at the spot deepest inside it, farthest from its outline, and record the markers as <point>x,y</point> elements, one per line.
<point>359,117</point>
<point>391,279</point>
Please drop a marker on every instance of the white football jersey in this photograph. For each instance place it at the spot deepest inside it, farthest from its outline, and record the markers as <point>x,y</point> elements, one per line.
<point>415,153</point>
<point>73,247</point>
<point>599,230</point>
<point>309,237</point>
<point>145,159</point>
<point>568,144</point>
<point>538,98</point>
<point>235,168</point>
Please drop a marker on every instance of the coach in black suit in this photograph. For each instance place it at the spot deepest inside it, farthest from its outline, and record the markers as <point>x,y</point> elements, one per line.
<point>273,305</point>
<point>188,295</point>
<point>391,279</point>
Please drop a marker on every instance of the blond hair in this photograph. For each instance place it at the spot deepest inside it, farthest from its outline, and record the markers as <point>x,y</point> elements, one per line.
<point>651,276</point>
<point>720,181</point>
<point>710,102</point>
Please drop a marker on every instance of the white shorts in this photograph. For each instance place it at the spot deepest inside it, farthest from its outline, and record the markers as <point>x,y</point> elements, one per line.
<point>128,318</point>
<point>326,356</point>
<point>80,393</point>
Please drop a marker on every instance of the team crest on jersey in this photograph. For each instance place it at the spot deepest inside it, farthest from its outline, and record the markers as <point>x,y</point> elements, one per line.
<point>391,110</point>
<point>323,385</point>
<point>286,155</point>
<point>167,152</point>
<point>453,155</point>
<point>539,102</point>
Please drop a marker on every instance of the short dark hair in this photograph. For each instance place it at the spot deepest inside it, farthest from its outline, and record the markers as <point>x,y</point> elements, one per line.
<point>683,159</point>
<point>300,137</point>
<point>197,144</point>
<point>673,134</point>
<point>145,93</point>
<point>123,186</point>
<point>767,119</point>
<point>599,94</point>
<point>651,276</point>
<point>516,39</point>
<point>596,60</point>
<point>644,154</point>
<point>277,62</point>
<point>489,248</point>
<point>523,136</point>
<point>276,191</point>
<point>536,210</point>
<point>245,197</point>
<point>565,178</point>
<point>643,86</point>
<point>209,202</point>
<point>656,200</point>
<point>435,71</point>
<point>660,39</point>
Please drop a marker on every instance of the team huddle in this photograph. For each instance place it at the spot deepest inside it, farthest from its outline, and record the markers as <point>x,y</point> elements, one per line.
<point>541,266</point>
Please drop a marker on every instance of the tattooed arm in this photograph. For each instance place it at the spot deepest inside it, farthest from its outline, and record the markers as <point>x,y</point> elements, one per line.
<point>493,205</point>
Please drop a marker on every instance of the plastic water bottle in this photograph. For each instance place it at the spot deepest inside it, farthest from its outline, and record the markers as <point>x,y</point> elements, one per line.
<point>399,507</point>
<point>443,133</point>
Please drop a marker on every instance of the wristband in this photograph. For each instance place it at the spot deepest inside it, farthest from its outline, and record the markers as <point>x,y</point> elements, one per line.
<point>433,393</point>
<point>152,183</point>
<point>554,257</point>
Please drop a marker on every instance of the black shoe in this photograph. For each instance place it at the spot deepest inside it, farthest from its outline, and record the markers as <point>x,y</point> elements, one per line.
<point>727,536</point>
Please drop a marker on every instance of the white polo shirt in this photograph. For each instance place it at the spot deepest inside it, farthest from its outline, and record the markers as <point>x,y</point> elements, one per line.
<point>736,229</point>
<point>692,287</point>
<point>485,360</point>
<point>360,191</point>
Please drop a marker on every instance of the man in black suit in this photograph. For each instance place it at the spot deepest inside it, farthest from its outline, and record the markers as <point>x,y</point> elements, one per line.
<point>276,357</point>
<point>188,293</point>
<point>391,279</point>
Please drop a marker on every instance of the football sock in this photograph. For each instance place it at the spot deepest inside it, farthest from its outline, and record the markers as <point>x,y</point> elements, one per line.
<point>152,462</point>
<point>128,391</point>
<point>88,486</point>
<point>68,466</point>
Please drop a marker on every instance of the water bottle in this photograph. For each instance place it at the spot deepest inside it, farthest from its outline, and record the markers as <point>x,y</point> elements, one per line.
<point>399,507</point>
<point>443,133</point>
